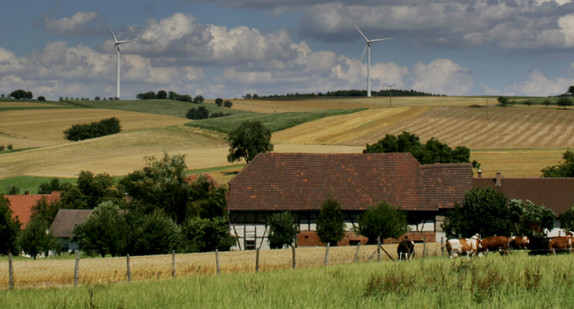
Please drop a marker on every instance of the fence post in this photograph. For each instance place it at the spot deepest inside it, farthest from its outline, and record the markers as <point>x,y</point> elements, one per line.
<point>10,272</point>
<point>356,259</point>
<point>173,264</point>
<point>424,247</point>
<point>441,246</point>
<point>257,260</point>
<point>77,268</point>
<point>327,255</point>
<point>294,257</point>
<point>378,248</point>
<point>217,262</point>
<point>128,267</point>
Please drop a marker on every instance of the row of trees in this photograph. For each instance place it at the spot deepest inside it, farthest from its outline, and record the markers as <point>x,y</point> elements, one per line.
<point>78,132</point>
<point>202,112</point>
<point>172,95</point>
<point>344,93</point>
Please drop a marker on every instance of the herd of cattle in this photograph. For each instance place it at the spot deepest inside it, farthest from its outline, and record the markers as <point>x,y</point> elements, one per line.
<point>476,245</point>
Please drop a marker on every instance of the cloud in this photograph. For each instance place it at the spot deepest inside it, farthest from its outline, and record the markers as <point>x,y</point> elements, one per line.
<point>441,76</point>
<point>537,84</point>
<point>79,23</point>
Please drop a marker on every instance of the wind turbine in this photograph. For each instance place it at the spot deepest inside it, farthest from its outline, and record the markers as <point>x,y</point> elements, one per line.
<point>117,47</point>
<point>368,50</point>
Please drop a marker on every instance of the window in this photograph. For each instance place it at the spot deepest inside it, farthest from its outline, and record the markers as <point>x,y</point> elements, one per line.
<point>250,244</point>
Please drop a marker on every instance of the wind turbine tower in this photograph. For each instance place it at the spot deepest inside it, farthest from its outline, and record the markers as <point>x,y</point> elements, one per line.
<point>117,47</point>
<point>368,50</point>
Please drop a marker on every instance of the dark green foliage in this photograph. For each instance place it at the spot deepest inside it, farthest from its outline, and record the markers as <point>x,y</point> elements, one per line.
<point>484,211</point>
<point>384,221</point>
<point>203,235</point>
<point>433,151</point>
<point>41,98</point>
<point>104,232</point>
<point>219,102</point>
<point>248,140</point>
<point>198,99</point>
<point>150,95</point>
<point>179,97</point>
<point>564,101</point>
<point>9,228</point>
<point>282,230</point>
<point>13,190</point>
<point>161,185</point>
<point>567,220</point>
<point>49,187</point>
<point>503,101</point>
<point>227,104</point>
<point>533,219</point>
<point>155,233</point>
<point>21,94</point>
<point>208,201</point>
<point>197,113</point>
<point>565,169</point>
<point>36,238</point>
<point>78,132</point>
<point>46,210</point>
<point>161,95</point>
<point>330,223</point>
<point>90,191</point>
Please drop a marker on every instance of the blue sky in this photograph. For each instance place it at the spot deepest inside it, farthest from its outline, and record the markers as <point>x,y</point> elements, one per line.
<point>228,48</point>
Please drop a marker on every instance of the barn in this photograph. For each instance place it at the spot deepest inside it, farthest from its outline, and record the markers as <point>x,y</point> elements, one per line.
<point>301,182</point>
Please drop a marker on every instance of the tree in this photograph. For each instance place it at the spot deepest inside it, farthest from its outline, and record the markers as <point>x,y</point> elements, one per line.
<point>104,231</point>
<point>248,140</point>
<point>36,238</point>
<point>382,220</point>
<point>564,101</point>
<point>282,230</point>
<point>330,223</point>
<point>503,101</point>
<point>227,104</point>
<point>204,235</point>
<point>197,113</point>
<point>535,219</point>
<point>90,190</point>
<point>198,99</point>
<point>9,228</point>
<point>219,102</point>
<point>161,185</point>
<point>161,95</point>
<point>570,90</point>
<point>567,220</point>
<point>565,169</point>
<point>21,94</point>
<point>150,95</point>
<point>483,210</point>
<point>207,200</point>
<point>155,233</point>
<point>49,187</point>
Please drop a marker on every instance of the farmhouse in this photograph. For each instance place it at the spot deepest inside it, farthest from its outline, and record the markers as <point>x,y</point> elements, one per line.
<point>300,183</point>
<point>63,225</point>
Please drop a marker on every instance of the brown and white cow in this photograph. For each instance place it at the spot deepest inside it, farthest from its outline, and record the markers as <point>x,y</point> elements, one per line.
<point>406,249</point>
<point>495,243</point>
<point>561,243</point>
<point>518,242</point>
<point>468,246</point>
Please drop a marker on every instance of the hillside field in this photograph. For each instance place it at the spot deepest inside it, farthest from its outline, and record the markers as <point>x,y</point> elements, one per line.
<point>517,141</point>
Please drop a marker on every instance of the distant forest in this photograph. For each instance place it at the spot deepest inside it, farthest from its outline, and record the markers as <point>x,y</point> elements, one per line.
<point>347,93</point>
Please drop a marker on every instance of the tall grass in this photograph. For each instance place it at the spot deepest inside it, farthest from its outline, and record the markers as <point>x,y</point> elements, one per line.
<point>516,281</point>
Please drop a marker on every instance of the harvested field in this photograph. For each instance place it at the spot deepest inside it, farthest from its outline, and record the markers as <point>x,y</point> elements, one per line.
<point>60,272</point>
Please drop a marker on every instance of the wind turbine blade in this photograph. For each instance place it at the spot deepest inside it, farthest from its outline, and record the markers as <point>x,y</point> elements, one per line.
<point>362,34</point>
<point>364,51</point>
<point>115,39</point>
<point>378,40</point>
<point>126,41</point>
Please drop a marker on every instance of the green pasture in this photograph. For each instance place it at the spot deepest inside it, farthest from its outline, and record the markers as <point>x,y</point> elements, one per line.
<point>516,281</point>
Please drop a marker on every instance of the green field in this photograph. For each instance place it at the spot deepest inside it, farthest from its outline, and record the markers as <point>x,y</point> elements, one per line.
<point>515,281</point>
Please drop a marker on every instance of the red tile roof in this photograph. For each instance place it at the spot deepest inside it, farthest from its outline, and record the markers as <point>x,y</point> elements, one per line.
<point>21,205</point>
<point>554,193</point>
<point>302,181</point>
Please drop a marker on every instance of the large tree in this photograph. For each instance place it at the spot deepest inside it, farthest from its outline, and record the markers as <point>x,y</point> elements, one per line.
<point>248,140</point>
<point>282,230</point>
<point>382,220</point>
<point>204,235</point>
<point>90,190</point>
<point>36,238</point>
<point>9,227</point>
<point>565,169</point>
<point>330,223</point>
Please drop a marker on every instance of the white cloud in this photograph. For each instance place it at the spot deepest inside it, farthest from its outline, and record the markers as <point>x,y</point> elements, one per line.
<point>537,84</point>
<point>79,23</point>
<point>441,76</point>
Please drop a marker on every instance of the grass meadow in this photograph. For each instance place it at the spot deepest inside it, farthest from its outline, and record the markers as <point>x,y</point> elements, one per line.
<point>515,281</point>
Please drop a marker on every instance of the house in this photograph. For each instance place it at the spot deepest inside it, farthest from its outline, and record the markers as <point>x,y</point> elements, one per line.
<point>63,226</point>
<point>301,182</point>
<point>22,205</point>
<point>556,194</point>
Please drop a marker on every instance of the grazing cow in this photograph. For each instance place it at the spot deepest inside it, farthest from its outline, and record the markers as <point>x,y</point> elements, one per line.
<point>468,246</point>
<point>493,243</point>
<point>518,242</point>
<point>406,249</point>
<point>560,243</point>
<point>538,245</point>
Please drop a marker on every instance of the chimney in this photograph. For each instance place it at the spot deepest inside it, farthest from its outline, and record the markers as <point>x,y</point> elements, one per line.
<point>479,173</point>
<point>498,182</point>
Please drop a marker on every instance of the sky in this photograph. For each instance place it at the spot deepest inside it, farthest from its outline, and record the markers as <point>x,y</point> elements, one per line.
<point>230,48</point>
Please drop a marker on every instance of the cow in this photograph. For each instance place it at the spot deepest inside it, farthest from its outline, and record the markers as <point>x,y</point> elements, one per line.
<point>492,243</point>
<point>560,243</point>
<point>406,249</point>
<point>538,245</point>
<point>518,242</point>
<point>468,246</point>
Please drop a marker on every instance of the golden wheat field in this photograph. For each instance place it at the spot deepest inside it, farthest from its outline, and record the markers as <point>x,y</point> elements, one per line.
<point>60,272</point>
<point>516,141</point>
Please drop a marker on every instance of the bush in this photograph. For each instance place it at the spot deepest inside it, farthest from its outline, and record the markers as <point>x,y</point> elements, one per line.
<point>227,104</point>
<point>78,132</point>
<point>198,113</point>
<point>219,102</point>
<point>282,230</point>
